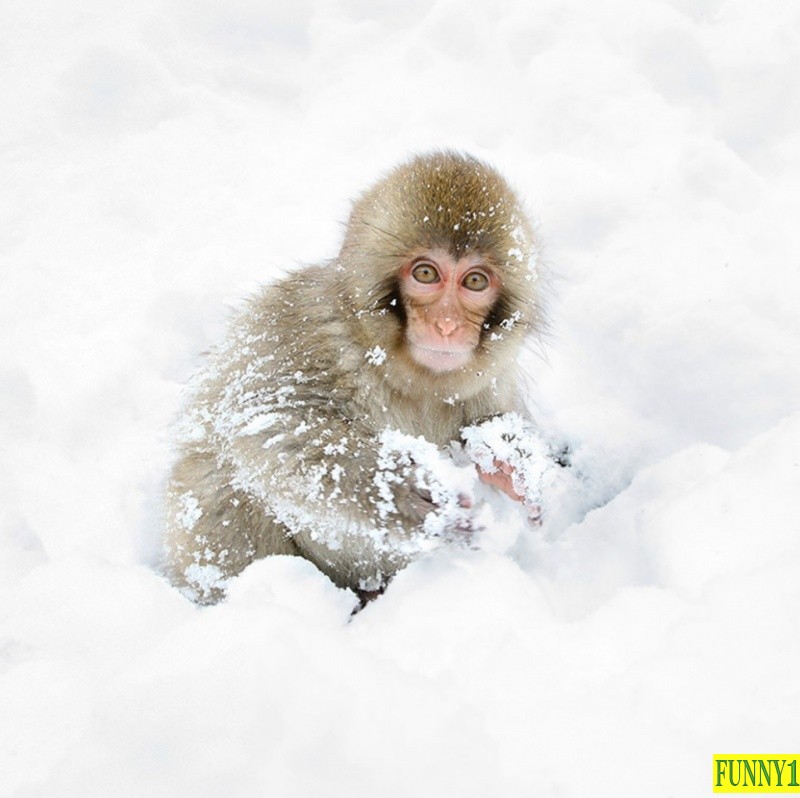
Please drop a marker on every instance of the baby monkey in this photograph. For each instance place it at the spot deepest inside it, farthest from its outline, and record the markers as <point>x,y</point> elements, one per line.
<point>324,425</point>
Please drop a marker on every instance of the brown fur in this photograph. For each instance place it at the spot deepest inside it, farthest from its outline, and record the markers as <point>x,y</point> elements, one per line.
<point>279,448</point>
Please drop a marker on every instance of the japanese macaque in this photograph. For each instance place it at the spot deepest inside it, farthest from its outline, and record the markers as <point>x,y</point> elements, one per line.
<point>335,420</point>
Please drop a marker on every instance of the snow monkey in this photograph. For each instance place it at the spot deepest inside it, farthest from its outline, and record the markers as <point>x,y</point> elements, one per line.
<point>354,402</point>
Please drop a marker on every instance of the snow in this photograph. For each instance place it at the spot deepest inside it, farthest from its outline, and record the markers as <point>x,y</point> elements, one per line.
<point>162,159</point>
<point>376,356</point>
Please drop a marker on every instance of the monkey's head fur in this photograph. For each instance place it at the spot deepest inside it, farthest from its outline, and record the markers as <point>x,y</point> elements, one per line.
<point>448,202</point>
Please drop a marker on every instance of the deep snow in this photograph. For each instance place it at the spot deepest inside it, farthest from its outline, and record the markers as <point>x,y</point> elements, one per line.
<point>159,159</point>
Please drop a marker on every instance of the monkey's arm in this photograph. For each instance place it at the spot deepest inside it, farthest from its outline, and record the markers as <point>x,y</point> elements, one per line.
<point>359,504</point>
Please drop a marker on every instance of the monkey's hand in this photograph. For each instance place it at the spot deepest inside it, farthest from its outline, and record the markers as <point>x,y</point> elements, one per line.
<point>502,479</point>
<point>511,457</point>
<point>423,489</point>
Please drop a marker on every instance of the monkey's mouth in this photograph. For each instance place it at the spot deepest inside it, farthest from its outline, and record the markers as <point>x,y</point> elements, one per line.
<point>440,360</point>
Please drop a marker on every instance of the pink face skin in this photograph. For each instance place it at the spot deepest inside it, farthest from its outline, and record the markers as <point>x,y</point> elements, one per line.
<point>446,303</point>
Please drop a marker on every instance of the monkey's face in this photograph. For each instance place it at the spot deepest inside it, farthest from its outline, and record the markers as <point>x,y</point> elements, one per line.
<point>446,301</point>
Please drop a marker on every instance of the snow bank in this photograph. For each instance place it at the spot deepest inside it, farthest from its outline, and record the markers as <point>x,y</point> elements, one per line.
<point>161,159</point>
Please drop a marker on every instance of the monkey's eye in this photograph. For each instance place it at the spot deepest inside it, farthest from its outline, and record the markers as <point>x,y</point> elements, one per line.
<point>476,281</point>
<point>425,273</point>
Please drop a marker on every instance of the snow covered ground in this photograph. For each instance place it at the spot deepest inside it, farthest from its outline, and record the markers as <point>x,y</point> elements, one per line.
<point>160,159</point>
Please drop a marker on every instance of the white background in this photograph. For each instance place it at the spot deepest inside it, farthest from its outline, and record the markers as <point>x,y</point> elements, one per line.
<point>158,160</point>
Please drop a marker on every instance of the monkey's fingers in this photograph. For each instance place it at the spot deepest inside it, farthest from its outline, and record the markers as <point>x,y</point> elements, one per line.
<point>502,481</point>
<point>464,501</point>
<point>534,513</point>
<point>503,467</point>
<point>415,504</point>
<point>499,465</point>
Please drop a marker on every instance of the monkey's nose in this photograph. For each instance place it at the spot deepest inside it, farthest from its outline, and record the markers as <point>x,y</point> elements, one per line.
<point>446,325</point>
